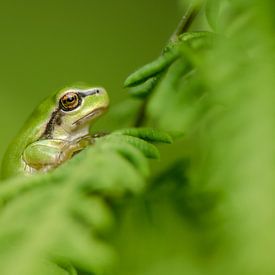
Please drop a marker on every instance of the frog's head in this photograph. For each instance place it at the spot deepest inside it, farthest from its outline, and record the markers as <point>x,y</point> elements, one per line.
<point>78,108</point>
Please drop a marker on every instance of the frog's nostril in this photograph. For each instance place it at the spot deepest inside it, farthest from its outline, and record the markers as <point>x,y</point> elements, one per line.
<point>99,91</point>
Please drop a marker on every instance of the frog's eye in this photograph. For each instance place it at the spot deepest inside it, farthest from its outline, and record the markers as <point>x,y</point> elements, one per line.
<point>69,101</point>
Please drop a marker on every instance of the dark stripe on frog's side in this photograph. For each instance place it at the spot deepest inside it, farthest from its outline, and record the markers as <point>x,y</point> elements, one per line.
<point>56,119</point>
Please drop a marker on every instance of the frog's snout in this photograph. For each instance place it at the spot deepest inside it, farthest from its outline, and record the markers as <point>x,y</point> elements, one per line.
<point>94,91</point>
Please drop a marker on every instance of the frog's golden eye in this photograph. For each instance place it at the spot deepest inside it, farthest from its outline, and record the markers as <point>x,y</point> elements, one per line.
<point>69,101</point>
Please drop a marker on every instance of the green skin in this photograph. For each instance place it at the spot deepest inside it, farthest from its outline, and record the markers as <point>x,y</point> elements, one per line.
<point>51,135</point>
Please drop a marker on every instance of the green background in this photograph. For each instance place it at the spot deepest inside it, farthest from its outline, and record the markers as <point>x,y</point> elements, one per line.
<point>46,45</point>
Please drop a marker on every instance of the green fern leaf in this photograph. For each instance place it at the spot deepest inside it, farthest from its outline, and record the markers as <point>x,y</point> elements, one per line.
<point>51,223</point>
<point>151,69</point>
<point>144,89</point>
<point>149,134</point>
<point>146,148</point>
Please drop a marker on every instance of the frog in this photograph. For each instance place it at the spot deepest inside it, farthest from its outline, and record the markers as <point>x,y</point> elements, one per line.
<point>57,129</point>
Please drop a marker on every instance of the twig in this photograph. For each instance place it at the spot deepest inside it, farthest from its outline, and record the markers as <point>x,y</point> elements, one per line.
<point>187,19</point>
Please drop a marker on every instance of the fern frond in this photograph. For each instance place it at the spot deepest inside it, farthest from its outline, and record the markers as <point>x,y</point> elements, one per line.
<point>144,89</point>
<point>57,221</point>
<point>152,68</point>
<point>149,150</point>
<point>185,47</point>
<point>148,134</point>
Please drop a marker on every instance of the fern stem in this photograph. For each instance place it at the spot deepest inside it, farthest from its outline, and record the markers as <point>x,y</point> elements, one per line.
<point>187,19</point>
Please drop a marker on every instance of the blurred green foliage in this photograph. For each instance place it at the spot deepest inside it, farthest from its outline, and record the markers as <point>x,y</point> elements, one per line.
<point>207,206</point>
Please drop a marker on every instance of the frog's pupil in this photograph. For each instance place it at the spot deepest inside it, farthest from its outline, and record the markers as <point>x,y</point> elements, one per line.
<point>70,99</point>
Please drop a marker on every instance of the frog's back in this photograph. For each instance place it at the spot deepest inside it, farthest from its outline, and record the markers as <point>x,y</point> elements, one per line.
<point>32,130</point>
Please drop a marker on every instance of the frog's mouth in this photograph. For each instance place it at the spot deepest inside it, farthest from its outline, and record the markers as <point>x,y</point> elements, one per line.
<point>95,113</point>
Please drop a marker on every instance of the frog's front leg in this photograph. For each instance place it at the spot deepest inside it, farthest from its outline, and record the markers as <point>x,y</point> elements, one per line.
<point>44,155</point>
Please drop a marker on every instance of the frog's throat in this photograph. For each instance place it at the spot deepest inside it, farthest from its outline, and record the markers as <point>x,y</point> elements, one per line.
<point>56,121</point>
<point>95,113</point>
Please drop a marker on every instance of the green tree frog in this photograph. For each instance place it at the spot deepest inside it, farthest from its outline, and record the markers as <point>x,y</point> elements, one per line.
<point>56,130</point>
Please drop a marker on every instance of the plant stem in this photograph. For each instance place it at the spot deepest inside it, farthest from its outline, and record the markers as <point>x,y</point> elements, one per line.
<point>187,19</point>
<point>183,26</point>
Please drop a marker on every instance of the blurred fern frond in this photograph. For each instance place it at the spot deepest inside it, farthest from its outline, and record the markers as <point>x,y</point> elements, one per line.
<point>214,198</point>
<point>56,222</point>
